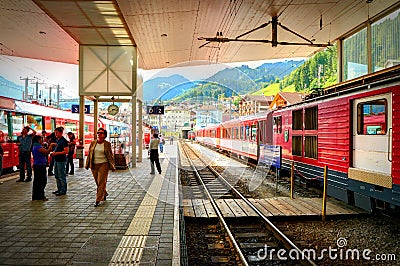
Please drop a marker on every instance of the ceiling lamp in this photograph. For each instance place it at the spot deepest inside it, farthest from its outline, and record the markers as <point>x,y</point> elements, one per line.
<point>274,22</point>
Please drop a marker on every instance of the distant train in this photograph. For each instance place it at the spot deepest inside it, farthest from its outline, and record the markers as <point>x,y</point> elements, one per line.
<point>15,114</point>
<point>353,129</point>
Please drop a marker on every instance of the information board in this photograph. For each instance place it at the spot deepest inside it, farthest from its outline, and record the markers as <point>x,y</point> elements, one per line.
<point>271,155</point>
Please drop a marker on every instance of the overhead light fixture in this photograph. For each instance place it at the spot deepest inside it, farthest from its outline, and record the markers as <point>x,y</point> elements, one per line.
<point>274,23</point>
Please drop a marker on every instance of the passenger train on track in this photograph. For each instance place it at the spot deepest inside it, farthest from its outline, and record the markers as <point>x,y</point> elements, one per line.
<point>15,114</point>
<point>353,128</point>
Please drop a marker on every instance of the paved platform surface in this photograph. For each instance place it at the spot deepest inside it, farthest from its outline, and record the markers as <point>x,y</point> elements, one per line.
<point>138,224</point>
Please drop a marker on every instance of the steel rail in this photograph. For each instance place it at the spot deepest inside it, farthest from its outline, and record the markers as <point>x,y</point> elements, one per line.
<point>278,233</point>
<point>216,209</point>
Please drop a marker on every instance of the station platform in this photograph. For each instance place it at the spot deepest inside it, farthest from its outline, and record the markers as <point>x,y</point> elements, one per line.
<point>137,224</point>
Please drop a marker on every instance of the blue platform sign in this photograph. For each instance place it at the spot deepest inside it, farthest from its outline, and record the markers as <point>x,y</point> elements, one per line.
<point>271,155</point>
<point>75,108</point>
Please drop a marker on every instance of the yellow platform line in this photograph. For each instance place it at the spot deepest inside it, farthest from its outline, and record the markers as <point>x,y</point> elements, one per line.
<point>130,249</point>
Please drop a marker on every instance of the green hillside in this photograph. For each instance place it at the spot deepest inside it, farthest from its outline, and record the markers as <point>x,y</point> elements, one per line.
<point>273,89</point>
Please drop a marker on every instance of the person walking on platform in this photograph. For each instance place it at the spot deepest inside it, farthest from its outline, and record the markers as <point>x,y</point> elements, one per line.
<point>162,142</point>
<point>71,151</point>
<point>154,143</point>
<point>39,154</point>
<point>100,160</point>
<point>60,161</point>
<point>171,140</point>
<point>24,142</point>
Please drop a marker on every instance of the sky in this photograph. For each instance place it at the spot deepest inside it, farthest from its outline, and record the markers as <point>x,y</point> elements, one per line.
<point>66,75</point>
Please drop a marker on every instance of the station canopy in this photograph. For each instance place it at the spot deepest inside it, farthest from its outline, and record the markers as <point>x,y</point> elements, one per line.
<point>170,33</point>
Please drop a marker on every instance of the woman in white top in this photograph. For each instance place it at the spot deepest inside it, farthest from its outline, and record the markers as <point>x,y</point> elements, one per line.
<point>100,160</point>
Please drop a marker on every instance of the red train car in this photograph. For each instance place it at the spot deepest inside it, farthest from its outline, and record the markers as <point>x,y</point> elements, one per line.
<point>355,134</point>
<point>15,114</point>
<point>352,129</point>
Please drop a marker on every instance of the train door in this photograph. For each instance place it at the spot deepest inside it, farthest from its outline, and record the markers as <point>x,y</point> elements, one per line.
<point>372,140</point>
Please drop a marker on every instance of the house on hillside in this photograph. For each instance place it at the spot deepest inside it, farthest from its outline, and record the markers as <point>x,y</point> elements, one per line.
<point>252,104</point>
<point>286,98</point>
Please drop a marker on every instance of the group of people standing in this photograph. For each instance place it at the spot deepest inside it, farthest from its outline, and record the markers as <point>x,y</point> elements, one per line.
<point>45,151</point>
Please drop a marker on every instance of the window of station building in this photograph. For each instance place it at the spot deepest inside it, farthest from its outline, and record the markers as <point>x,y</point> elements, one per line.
<point>355,55</point>
<point>311,118</point>
<point>372,118</point>
<point>311,147</point>
<point>297,120</point>
<point>278,124</point>
<point>385,38</point>
<point>297,145</point>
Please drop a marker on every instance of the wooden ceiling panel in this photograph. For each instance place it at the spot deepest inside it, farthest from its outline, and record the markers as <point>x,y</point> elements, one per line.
<point>168,30</point>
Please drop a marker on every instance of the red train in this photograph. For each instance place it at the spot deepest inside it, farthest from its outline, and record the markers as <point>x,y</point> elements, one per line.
<point>353,128</point>
<point>15,114</point>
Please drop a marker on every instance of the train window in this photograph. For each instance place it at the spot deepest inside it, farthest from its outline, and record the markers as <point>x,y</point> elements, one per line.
<point>17,121</point>
<point>278,124</point>
<point>236,135</point>
<point>3,121</point>
<point>311,147</point>
<point>311,118</point>
<point>371,117</point>
<point>248,133</point>
<point>70,127</point>
<point>297,120</point>
<point>242,136</point>
<point>297,145</point>
<point>253,132</point>
<point>35,122</point>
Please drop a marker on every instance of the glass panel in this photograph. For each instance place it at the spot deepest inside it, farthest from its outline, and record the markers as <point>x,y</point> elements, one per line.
<point>372,118</point>
<point>278,124</point>
<point>3,121</point>
<point>297,144</point>
<point>355,55</point>
<point>297,122</point>
<point>253,132</point>
<point>311,118</point>
<point>386,42</point>
<point>311,147</point>
<point>17,121</point>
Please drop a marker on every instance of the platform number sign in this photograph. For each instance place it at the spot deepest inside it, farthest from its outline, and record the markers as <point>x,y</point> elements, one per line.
<point>75,108</point>
<point>155,110</point>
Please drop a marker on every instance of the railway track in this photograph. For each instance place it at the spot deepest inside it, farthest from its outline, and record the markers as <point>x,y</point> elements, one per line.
<point>303,188</point>
<point>233,241</point>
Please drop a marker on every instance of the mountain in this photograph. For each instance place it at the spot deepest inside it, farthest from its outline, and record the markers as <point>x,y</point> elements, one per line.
<point>165,88</point>
<point>240,80</point>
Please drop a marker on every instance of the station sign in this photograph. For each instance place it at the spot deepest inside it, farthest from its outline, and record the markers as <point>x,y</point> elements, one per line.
<point>75,108</point>
<point>155,110</point>
<point>271,155</point>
